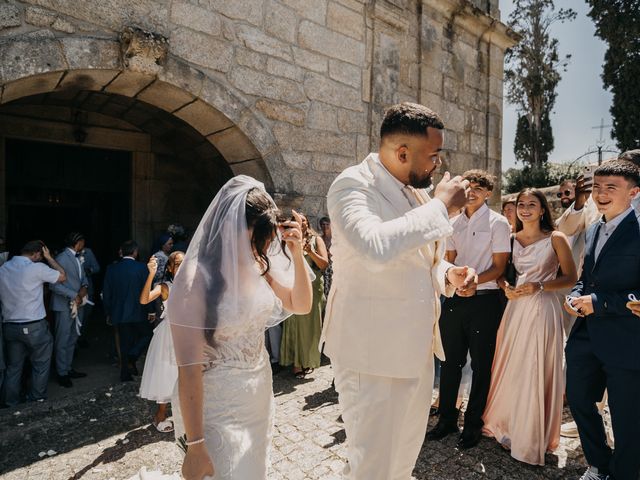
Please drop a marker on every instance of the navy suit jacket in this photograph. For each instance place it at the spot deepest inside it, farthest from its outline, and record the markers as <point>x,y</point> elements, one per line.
<point>123,283</point>
<point>614,331</point>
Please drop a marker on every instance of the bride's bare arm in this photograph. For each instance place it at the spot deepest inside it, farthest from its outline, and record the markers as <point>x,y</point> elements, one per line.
<point>297,299</point>
<point>196,463</point>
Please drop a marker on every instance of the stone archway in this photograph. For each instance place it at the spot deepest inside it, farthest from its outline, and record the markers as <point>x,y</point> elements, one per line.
<point>135,77</point>
<point>39,63</point>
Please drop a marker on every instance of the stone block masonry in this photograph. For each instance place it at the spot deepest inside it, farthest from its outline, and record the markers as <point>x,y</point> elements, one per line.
<point>314,75</point>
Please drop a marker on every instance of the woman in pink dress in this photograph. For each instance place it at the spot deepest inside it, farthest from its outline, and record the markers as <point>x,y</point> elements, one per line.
<point>524,408</point>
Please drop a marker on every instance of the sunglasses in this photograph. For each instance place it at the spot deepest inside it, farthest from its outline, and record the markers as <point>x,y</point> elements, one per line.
<point>564,193</point>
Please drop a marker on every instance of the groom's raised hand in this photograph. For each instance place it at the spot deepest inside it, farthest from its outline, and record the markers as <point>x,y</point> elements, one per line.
<point>453,192</point>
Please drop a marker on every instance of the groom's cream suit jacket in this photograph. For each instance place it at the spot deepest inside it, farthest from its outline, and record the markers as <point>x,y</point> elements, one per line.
<point>383,308</point>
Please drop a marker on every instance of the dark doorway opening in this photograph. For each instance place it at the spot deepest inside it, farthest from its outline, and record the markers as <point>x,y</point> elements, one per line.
<point>55,189</point>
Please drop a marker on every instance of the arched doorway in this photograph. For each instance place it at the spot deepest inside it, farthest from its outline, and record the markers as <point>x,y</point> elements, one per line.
<point>127,94</point>
<point>88,144</point>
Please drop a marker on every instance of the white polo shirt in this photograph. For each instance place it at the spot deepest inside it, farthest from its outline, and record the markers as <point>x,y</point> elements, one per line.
<point>476,239</point>
<point>21,295</point>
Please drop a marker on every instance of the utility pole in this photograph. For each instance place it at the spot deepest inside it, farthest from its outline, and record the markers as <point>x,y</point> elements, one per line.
<point>600,142</point>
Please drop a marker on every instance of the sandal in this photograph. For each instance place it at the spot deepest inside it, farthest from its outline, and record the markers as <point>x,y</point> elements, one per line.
<point>299,375</point>
<point>308,371</point>
<point>165,426</point>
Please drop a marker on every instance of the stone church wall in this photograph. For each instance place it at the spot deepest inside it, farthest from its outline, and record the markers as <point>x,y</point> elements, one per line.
<point>317,73</point>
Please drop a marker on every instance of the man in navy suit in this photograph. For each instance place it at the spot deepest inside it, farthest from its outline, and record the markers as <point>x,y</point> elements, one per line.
<point>65,295</point>
<point>603,349</point>
<point>123,283</point>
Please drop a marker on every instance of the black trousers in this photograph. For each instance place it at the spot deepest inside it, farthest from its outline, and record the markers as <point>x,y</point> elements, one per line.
<point>468,325</point>
<point>587,378</point>
<point>134,339</point>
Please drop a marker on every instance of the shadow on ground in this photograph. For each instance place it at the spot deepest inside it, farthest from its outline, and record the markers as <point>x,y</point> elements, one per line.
<point>69,423</point>
<point>132,441</point>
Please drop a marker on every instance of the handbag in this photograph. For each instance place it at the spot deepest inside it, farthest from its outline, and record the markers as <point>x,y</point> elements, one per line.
<point>510,272</point>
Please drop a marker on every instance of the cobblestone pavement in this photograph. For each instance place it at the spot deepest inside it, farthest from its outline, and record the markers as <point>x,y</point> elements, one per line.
<point>104,434</point>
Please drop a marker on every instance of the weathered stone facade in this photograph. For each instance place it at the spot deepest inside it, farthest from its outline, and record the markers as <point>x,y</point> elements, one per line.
<point>289,91</point>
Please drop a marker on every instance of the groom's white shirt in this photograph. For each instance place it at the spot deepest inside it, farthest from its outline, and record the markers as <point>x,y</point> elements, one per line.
<point>383,309</point>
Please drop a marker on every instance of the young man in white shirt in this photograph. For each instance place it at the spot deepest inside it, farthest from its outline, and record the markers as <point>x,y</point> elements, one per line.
<point>470,319</point>
<point>25,329</point>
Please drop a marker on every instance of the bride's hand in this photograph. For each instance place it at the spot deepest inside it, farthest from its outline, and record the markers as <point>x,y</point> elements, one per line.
<point>197,464</point>
<point>292,232</point>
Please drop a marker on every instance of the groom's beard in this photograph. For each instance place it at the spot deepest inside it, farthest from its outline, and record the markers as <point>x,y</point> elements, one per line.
<point>416,182</point>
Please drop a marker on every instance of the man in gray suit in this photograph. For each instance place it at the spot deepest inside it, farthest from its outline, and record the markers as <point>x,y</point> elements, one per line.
<point>65,295</point>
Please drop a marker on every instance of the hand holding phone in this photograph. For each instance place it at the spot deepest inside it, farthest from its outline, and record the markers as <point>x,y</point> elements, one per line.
<point>587,173</point>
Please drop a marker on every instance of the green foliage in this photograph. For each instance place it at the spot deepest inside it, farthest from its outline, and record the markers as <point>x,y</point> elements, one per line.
<point>532,75</point>
<point>538,176</point>
<point>618,23</point>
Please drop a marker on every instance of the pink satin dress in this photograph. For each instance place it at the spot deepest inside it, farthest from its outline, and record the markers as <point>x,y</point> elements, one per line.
<point>524,407</point>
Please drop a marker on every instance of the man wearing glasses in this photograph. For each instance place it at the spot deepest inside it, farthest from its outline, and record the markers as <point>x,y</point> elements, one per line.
<point>567,193</point>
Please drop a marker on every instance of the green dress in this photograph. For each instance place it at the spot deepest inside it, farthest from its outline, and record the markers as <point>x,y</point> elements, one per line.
<point>301,333</point>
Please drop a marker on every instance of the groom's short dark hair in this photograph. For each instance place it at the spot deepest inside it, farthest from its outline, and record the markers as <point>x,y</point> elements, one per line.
<point>409,119</point>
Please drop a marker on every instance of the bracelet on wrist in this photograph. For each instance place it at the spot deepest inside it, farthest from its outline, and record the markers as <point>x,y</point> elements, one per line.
<point>194,442</point>
<point>541,286</point>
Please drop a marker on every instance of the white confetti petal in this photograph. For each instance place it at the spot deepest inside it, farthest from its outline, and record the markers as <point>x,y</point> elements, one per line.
<point>93,420</point>
<point>92,400</point>
<point>125,441</point>
<point>51,453</point>
<point>108,394</point>
<point>21,424</point>
<point>42,454</point>
<point>16,413</point>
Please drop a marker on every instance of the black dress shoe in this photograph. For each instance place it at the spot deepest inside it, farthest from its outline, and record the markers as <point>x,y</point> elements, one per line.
<point>75,374</point>
<point>441,430</point>
<point>469,438</point>
<point>64,381</point>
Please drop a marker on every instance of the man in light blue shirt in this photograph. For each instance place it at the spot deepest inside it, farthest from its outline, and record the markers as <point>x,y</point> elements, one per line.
<point>25,329</point>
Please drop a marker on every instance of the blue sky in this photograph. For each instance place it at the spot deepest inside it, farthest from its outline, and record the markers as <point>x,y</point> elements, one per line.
<point>582,100</point>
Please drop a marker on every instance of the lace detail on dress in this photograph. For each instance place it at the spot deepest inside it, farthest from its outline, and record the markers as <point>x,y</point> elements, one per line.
<point>241,344</point>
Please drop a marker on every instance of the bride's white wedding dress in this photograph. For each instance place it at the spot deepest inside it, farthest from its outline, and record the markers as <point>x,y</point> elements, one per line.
<point>238,404</point>
<point>219,309</point>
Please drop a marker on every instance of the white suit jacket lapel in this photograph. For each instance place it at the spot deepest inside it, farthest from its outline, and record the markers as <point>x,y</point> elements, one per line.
<point>387,187</point>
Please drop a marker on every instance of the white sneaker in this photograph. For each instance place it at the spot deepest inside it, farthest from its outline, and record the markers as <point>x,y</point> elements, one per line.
<point>569,430</point>
<point>592,474</point>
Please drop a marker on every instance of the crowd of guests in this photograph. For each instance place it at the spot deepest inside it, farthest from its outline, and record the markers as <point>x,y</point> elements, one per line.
<point>553,318</point>
<point>133,295</point>
<point>46,303</point>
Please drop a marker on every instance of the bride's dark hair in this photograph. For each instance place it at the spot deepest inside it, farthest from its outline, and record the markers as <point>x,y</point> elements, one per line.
<point>262,216</point>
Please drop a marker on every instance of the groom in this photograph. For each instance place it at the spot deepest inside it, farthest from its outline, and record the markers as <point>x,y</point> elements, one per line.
<point>381,324</point>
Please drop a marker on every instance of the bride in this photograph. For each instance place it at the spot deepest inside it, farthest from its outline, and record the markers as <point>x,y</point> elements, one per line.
<point>237,279</point>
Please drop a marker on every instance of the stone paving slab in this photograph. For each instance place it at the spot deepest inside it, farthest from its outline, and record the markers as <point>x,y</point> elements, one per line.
<point>105,434</point>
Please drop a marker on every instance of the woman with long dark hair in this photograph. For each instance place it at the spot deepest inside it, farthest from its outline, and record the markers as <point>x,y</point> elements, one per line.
<point>235,281</point>
<point>524,407</point>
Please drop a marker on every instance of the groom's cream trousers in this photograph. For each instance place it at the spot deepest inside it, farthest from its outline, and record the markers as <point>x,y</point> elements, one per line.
<point>385,419</point>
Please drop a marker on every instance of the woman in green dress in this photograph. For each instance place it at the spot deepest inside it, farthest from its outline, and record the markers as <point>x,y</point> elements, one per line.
<point>301,333</point>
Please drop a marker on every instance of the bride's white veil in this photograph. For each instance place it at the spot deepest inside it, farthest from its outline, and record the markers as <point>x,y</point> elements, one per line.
<point>219,283</point>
